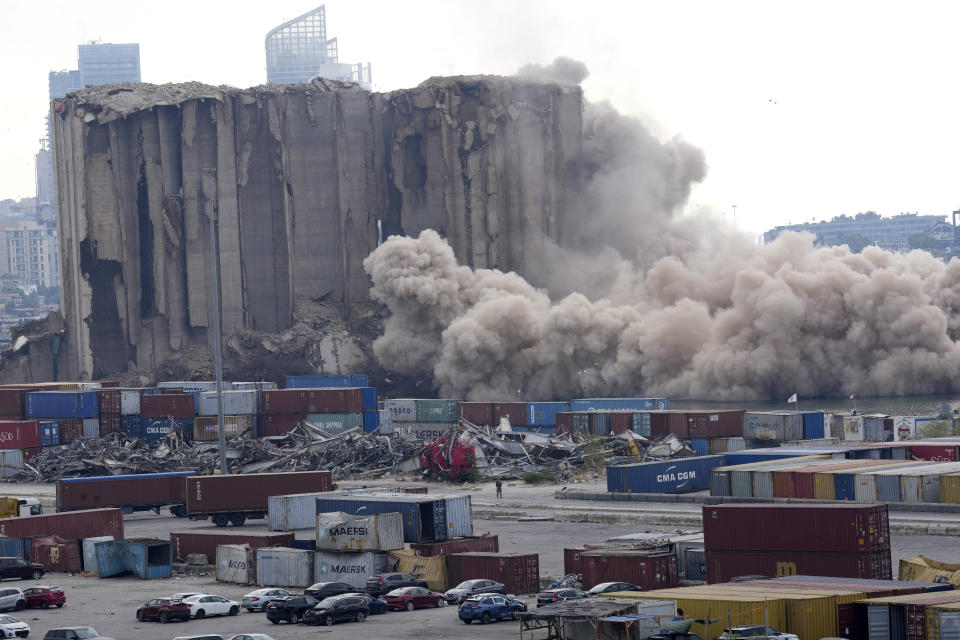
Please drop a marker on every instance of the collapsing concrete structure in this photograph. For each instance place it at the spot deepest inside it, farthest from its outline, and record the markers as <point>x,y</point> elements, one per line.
<point>303,181</point>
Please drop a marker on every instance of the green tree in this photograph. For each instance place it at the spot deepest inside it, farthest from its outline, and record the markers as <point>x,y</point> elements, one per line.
<point>856,241</point>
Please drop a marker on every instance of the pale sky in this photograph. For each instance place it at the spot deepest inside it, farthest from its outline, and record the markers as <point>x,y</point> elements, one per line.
<point>805,110</point>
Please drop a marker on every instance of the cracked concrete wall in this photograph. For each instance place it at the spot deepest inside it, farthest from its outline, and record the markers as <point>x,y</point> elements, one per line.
<point>300,179</point>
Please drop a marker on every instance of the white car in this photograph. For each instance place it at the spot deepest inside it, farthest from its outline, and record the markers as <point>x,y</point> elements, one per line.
<point>251,636</point>
<point>755,632</point>
<point>260,598</point>
<point>10,627</point>
<point>203,605</point>
<point>187,594</point>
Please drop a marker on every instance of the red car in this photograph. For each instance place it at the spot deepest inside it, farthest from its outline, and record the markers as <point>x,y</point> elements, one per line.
<point>44,597</point>
<point>164,610</point>
<point>411,598</point>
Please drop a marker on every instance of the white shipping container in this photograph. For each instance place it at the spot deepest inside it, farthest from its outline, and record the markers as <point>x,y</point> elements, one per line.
<point>352,568</point>
<point>193,385</point>
<point>459,517</point>
<point>235,403</point>
<point>339,531</point>
<point>11,460</point>
<point>852,428</point>
<point>236,563</point>
<point>89,386</point>
<point>423,431</point>
<point>284,567</point>
<point>386,423</point>
<point>291,512</point>
<point>90,552</point>
<point>130,402</point>
<point>255,386</point>
<point>91,427</point>
<point>404,410</point>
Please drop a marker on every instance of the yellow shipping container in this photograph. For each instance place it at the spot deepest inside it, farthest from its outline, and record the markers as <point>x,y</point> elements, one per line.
<point>942,615</point>
<point>950,488</point>
<point>923,569</point>
<point>206,428</point>
<point>433,569</point>
<point>824,487</point>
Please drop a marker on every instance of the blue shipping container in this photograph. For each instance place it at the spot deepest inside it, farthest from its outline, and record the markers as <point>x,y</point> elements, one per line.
<point>147,559</point>
<point>11,547</point>
<point>154,429</point>
<point>683,475</point>
<point>49,434</point>
<point>620,404</point>
<point>130,425</point>
<point>330,380</point>
<point>358,380</point>
<point>69,405</point>
<point>813,425</point>
<point>369,398</point>
<point>371,421</point>
<point>544,414</point>
<point>700,446</point>
<point>844,486</point>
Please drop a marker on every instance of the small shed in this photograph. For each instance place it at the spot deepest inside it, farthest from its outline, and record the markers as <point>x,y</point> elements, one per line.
<point>146,558</point>
<point>572,619</point>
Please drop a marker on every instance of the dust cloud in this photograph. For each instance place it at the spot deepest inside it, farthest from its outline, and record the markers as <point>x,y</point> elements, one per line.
<point>639,299</point>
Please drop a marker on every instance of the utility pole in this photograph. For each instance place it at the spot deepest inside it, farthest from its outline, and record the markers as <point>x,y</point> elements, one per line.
<point>209,190</point>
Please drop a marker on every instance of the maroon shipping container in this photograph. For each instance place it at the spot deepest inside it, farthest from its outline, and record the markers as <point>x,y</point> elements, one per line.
<point>803,477</point>
<point>30,453</point>
<point>419,490</point>
<point>70,430</point>
<point>935,452</point>
<point>334,400</point>
<point>57,554</point>
<point>148,489</point>
<point>519,573</point>
<point>620,421</point>
<point>564,423</point>
<point>212,494</point>
<point>796,527</point>
<point>724,565</point>
<point>663,423</point>
<point>279,424</point>
<point>284,401</point>
<point>110,423</point>
<point>205,541</point>
<point>71,525</point>
<point>645,569</point>
<point>516,412</point>
<point>12,403</point>
<point>109,402</point>
<point>573,558</point>
<point>715,424</point>
<point>162,405</point>
<point>479,413</point>
<point>487,544</point>
<point>19,434</point>
<point>109,384</point>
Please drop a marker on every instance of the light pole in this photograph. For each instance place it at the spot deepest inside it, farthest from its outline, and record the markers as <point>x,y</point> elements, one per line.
<point>209,189</point>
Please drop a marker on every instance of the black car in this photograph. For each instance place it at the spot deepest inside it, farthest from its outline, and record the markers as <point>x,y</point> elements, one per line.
<point>470,588</point>
<point>16,568</point>
<point>323,590</point>
<point>289,608</point>
<point>612,587</point>
<point>557,595</point>
<point>337,609</point>
<point>386,582</point>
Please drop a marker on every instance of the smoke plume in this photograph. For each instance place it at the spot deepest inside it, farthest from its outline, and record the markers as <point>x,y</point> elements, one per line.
<point>643,300</point>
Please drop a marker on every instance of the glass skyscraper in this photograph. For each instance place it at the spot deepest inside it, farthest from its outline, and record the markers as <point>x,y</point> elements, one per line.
<point>108,63</point>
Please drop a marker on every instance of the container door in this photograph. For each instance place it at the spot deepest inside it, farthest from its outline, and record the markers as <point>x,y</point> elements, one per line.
<point>950,625</point>
<point>440,520</point>
<point>878,622</point>
<point>427,526</point>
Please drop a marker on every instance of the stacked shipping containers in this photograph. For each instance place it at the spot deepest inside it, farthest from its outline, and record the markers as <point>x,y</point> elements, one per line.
<point>424,419</point>
<point>76,412</point>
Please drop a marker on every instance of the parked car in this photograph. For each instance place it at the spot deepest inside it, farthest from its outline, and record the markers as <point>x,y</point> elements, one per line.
<point>163,610</point>
<point>250,636</point>
<point>260,598</point>
<point>17,568</point>
<point>756,631</point>
<point>210,605</point>
<point>10,627</point>
<point>557,595</point>
<point>45,597</point>
<point>186,594</point>
<point>12,599</point>
<point>469,588</point>
<point>385,582</point>
<point>611,587</point>
<point>208,636</point>
<point>674,635</point>
<point>374,605</point>
<point>411,598</point>
<point>73,633</point>
<point>289,608</point>
<point>335,609</point>
<point>489,607</point>
<point>322,590</point>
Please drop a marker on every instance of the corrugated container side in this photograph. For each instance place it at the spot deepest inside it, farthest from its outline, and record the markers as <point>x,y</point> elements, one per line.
<point>157,489</point>
<point>236,563</point>
<point>459,516</point>
<point>620,404</point>
<point>207,428</point>
<point>641,424</point>
<point>279,424</point>
<point>515,412</point>
<point>130,402</point>
<point>621,421</point>
<point>487,544</point>
<point>371,421</point>
<point>519,573</point>
<point>49,434</point>
<point>700,446</point>
<point>646,570</point>
<point>335,423</point>
<point>436,410</point>
<point>291,512</point>
<point>149,559</point>
<point>425,431</point>
<point>544,413</point>
<point>235,403</point>
<point>90,552</point>
<point>352,568</point>
<point>254,386</point>
<point>153,429</point>
<point>334,400</point>
<point>129,425</point>
<point>413,521</point>
<point>681,475</point>
<point>479,413</point>
<point>205,541</point>
<point>714,424</point>
<point>209,494</point>
<point>62,404</point>
<point>284,401</point>
<point>724,565</point>
<point>950,488</point>
<point>13,403</point>
<point>284,567</point>
<point>91,428</point>
<point>696,564</point>
<point>813,425</point>
<point>110,558</point>
<point>402,409</point>
<point>343,532</point>
<point>70,525</point>
<point>162,405</point>
<point>19,434</point>
<point>935,452</point>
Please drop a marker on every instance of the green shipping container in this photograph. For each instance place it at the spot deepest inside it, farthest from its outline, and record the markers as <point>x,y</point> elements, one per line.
<point>335,423</point>
<point>641,424</point>
<point>437,410</point>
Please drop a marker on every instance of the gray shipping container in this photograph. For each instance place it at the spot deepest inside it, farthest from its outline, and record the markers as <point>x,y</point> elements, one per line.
<point>696,564</point>
<point>130,402</point>
<point>423,431</point>
<point>772,425</point>
<point>343,532</point>
<point>295,511</point>
<point>255,386</point>
<point>91,427</point>
<point>425,518</point>
<point>11,460</point>
<point>90,552</point>
<point>352,568</point>
<point>236,563</point>
<point>284,567</point>
<point>401,410</point>
<point>235,403</point>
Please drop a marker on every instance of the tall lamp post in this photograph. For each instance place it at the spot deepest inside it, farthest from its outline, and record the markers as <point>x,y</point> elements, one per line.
<point>209,190</point>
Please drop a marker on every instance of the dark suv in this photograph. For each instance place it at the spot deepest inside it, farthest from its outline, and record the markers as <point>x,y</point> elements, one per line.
<point>164,610</point>
<point>17,568</point>
<point>338,609</point>
<point>289,608</point>
<point>386,582</point>
<point>323,590</point>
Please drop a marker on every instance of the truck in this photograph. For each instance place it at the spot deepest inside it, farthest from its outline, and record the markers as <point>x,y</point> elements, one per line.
<point>19,507</point>
<point>233,499</point>
<point>132,492</point>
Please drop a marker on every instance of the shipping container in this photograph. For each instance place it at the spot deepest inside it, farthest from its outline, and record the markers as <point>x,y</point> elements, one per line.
<point>13,403</point>
<point>726,564</point>
<point>154,429</point>
<point>62,404</point>
<point>190,386</point>
<point>753,455</point>
<point>782,477</point>
<point>515,412</point>
<point>845,481</point>
<point>294,511</point>
<point>519,573</point>
<point>89,548</point>
<point>256,386</point>
<point>736,479</point>
<point>696,564</point>
<point>335,423</point>
<point>401,410</point>
<point>620,404</point>
<point>130,402</point>
<point>135,492</point>
<point>714,424</point>
<point>950,488</point>
<point>344,532</point>
<point>284,401</point>
<point>486,544</point>
<point>71,525</point>
<point>236,563</point>
<point>129,425</point>
<point>70,430</point>
<point>319,380</point>
<point>437,410</point>
<point>645,569</point>
<point>19,434</point>
<point>205,541</point>
<point>744,608</point>
<point>284,567</point>
<point>371,421</point>
<point>144,558</point>
<point>544,414</point>
<point>922,484</point>
<point>797,527</point>
<point>877,427</point>
<point>279,424</point>
<point>235,403</point>
<point>724,445</point>
<point>478,413</point>
<point>207,428</point>
<point>700,446</point>
<point>425,518</point>
<point>772,425</point>
<point>57,554</point>
<point>336,400</point>
<point>570,423</point>
<point>352,568</point>
<point>164,405</point>
<point>91,428</point>
<point>424,431</point>
<point>249,492</point>
<point>935,452</point>
<point>681,475</point>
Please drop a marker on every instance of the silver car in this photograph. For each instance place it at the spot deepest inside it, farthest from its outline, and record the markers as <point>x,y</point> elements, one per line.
<point>259,599</point>
<point>12,599</point>
<point>469,588</point>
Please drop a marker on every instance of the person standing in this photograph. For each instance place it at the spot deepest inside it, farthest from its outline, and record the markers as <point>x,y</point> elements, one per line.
<point>499,489</point>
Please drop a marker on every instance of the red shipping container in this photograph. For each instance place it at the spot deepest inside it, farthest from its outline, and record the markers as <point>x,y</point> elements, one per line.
<point>647,570</point>
<point>479,413</point>
<point>516,412</point>
<point>663,423</point>
<point>417,490</point>
<point>573,558</point>
<point>12,403</point>
<point>109,402</point>
<point>121,491</point>
<point>110,423</point>
<point>935,452</point>
<point>564,423</point>
<point>519,573</point>
<point>71,525</point>
<point>796,527</point>
<point>70,430</point>
<point>249,492</point>
<point>19,434</point>
<point>31,452</point>
<point>489,544</point>
<point>334,400</point>
<point>57,554</point>
<point>715,424</point>
<point>279,424</point>
<point>162,405</point>
<point>724,565</point>
<point>284,401</point>
<point>783,484</point>
<point>620,421</point>
<point>206,541</point>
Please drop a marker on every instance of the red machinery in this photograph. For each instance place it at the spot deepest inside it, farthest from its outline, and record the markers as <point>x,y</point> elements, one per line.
<point>448,458</point>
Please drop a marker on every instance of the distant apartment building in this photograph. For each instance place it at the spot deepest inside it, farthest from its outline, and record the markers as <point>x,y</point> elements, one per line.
<point>298,51</point>
<point>28,251</point>
<point>865,229</point>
